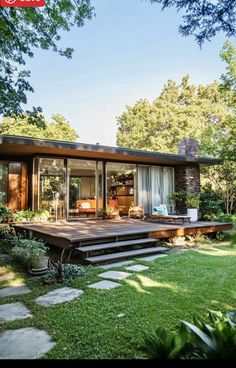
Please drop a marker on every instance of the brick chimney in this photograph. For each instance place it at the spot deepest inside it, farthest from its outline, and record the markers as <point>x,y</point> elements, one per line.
<point>188,147</point>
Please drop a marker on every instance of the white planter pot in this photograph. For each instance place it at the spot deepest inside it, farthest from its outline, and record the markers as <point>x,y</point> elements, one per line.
<point>40,267</point>
<point>193,213</point>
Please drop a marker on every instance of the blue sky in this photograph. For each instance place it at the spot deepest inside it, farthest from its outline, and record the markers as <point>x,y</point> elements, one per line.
<point>127,52</point>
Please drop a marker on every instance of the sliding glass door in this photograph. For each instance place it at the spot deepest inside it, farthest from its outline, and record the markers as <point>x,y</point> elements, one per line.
<point>52,187</point>
<point>84,188</point>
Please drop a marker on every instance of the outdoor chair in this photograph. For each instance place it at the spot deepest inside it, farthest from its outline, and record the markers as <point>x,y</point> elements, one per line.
<point>136,212</point>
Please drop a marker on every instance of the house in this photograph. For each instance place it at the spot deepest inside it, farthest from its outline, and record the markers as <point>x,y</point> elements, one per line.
<point>75,180</point>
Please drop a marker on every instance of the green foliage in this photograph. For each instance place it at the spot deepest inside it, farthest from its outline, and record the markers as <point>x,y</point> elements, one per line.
<point>204,19</point>
<point>193,200</point>
<point>159,344</point>
<point>184,198</point>
<point>211,203</point>
<point>68,274</point>
<point>31,216</point>
<point>214,341</point>
<point>197,340</point>
<point>223,217</point>
<point>180,111</point>
<point>179,198</point>
<point>28,251</point>
<point>59,128</point>
<point>24,29</point>
<point>5,214</point>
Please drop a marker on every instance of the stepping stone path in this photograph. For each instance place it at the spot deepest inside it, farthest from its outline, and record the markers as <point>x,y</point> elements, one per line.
<point>13,311</point>
<point>116,275</point>
<point>57,296</point>
<point>104,285</point>
<point>24,343</point>
<point>152,258</point>
<point>117,264</point>
<point>14,290</point>
<point>137,268</point>
<point>7,276</point>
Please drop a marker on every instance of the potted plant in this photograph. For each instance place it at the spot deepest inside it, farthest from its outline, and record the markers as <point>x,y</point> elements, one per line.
<point>179,200</point>
<point>32,254</point>
<point>192,203</point>
<point>109,213</point>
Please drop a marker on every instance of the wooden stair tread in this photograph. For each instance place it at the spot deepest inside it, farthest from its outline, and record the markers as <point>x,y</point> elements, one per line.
<point>127,254</point>
<point>94,247</point>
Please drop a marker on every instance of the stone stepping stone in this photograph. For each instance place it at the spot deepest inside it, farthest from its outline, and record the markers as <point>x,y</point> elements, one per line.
<point>104,285</point>
<point>13,311</point>
<point>152,258</point>
<point>7,276</point>
<point>14,290</point>
<point>137,268</point>
<point>117,264</point>
<point>116,275</point>
<point>58,296</point>
<point>24,343</point>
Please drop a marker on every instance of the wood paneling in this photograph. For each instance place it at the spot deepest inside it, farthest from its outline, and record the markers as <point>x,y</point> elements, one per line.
<point>14,185</point>
<point>24,187</point>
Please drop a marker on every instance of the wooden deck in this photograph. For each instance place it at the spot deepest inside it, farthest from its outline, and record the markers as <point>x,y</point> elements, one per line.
<point>72,234</point>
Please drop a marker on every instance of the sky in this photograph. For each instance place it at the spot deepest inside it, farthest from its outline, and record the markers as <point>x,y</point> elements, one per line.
<point>126,53</point>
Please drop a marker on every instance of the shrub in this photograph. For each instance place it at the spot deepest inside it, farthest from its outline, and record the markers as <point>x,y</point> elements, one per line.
<point>211,204</point>
<point>197,340</point>
<point>66,273</point>
<point>192,200</point>
<point>29,251</point>
<point>8,238</point>
<point>5,214</point>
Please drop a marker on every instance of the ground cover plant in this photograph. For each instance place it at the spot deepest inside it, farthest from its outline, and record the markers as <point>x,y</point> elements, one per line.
<point>110,324</point>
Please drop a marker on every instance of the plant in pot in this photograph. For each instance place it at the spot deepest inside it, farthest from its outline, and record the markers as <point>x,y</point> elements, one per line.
<point>192,203</point>
<point>32,254</point>
<point>109,213</point>
<point>179,200</point>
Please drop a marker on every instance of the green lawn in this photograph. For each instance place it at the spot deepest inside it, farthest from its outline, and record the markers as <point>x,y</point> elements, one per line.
<point>174,288</point>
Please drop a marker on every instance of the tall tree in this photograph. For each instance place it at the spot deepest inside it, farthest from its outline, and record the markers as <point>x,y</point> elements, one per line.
<point>58,128</point>
<point>204,18</point>
<point>180,111</point>
<point>21,31</point>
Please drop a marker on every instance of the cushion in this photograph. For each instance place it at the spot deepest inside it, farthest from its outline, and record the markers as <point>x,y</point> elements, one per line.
<point>160,210</point>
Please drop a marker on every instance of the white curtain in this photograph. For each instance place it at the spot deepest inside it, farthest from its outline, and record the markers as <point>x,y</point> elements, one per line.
<point>167,186</point>
<point>156,186</point>
<point>144,187</point>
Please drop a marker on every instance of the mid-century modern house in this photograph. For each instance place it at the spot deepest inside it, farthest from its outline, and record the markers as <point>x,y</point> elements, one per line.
<point>75,180</point>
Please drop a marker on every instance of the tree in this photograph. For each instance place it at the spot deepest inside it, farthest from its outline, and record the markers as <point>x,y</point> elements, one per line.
<point>220,140</point>
<point>204,18</point>
<point>22,30</point>
<point>58,129</point>
<point>180,111</point>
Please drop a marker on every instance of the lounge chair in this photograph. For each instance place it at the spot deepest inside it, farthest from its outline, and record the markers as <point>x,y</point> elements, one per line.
<point>160,214</point>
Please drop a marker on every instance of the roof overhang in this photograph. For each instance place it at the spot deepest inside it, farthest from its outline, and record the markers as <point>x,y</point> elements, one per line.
<point>23,147</point>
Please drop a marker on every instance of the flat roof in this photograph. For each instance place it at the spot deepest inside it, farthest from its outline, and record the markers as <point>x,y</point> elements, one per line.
<point>12,146</point>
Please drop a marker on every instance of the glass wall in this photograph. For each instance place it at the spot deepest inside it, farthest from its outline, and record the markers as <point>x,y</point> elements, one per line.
<point>52,186</point>
<point>85,188</point>
<point>3,182</point>
<point>74,188</point>
<point>121,186</point>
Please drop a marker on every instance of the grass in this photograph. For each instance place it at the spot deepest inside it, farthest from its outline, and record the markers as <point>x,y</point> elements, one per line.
<point>110,324</point>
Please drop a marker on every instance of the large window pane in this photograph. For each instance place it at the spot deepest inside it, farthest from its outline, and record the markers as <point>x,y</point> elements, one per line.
<point>52,186</point>
<point>3,182</point>
<point>121,186</point>
<point>82,188</point>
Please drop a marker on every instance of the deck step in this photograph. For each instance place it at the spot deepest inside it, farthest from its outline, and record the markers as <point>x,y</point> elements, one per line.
<point>95,247</point>
<point>108,258</point>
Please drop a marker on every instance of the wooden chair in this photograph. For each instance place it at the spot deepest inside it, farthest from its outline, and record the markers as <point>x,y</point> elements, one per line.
<point>136,212</point>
